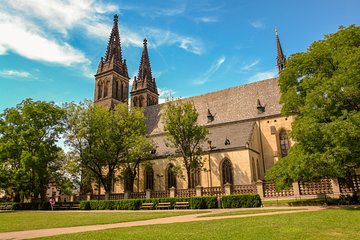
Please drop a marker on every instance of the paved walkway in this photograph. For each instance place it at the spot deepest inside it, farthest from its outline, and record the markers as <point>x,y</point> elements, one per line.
<point>176,219</point>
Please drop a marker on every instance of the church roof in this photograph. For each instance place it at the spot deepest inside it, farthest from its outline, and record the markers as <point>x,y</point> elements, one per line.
<point>228,105</point>
<point>233,135</point>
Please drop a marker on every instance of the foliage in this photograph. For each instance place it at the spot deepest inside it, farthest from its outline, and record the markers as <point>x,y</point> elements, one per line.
<point>203,202</point>
<point>135,204</point>
<point>241,201</point>
<point>322,88</point>
<point>106,140</point>
<point>29,156</point>
<point>184,134</point>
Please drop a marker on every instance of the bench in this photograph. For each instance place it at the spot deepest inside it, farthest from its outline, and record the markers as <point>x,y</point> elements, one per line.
<point>147,206</point>
<point>181,205</point>
<point>163,205</point>
<point>6,206</point>
<point>66,206</point>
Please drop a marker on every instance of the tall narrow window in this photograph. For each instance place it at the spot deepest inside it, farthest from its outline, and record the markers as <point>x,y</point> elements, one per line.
<point>116,88</point>
<point>171,177</point>
<point>149,178</point>
<point>105,89</point>
<point>128,181</point>
<point>226,170</point>
<point>121,91</point>
<point>195,179</point>
<point>284,143</point>
<point>100,87</point>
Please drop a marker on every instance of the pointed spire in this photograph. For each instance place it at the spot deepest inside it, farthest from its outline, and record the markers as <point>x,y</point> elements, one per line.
<point>113,51</point>
<point>145,68</point>
<point>280,58</point>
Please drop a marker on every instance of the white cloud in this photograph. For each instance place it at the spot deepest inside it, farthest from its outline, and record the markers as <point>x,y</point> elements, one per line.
<point>263,75</point>
<point>15,73</point>
<point>180,9</point>
<point>158,37</point>
<point>249,66</point>
<point>26,40</point>
<point>210,72</point>
<point>62,15</point>
<point>207,19</point>
<point>165,94</point>
<point>257,24</point>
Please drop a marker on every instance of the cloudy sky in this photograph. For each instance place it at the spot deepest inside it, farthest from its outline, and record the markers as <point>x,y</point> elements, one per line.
<point>50,49</point>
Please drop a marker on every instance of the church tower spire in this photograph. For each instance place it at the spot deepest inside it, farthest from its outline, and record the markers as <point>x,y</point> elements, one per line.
<point>280,58</point>
<point>112,78</point>
<point>144,91</point>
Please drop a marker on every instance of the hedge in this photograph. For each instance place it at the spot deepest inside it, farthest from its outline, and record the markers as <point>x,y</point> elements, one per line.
<point>135,204</point>
<point>241,201</point>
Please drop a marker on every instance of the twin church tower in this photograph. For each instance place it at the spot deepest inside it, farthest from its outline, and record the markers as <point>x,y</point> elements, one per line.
<point>112,78</point>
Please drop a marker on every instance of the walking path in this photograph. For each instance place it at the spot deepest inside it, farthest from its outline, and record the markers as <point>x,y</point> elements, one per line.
<point>176,219</point>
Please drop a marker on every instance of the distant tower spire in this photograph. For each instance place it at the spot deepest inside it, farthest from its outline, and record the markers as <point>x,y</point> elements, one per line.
<point>280,58</point>
<point>144,91</point>
<point>112,78</point>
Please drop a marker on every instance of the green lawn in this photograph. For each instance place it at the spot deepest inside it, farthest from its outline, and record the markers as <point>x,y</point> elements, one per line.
<point>326,224</point>
<point>244,212</point>
<point>27,220</point>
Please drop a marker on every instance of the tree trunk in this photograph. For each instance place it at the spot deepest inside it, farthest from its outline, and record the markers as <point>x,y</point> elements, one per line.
<point>188,173</point>
<point>107,195</point>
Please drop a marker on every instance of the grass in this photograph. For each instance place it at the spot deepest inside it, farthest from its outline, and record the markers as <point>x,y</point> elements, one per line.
<point>244,212</point>
<point>28,220</point>
<point>325,224</point>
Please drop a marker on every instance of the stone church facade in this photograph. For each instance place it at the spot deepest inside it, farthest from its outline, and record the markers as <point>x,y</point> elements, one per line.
<point>247,134</point>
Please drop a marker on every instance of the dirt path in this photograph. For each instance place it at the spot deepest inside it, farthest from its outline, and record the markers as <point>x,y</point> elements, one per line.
<point>176,219</point>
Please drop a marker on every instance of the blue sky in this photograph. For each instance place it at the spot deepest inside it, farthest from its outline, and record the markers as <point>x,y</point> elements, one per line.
<point>50,49</point>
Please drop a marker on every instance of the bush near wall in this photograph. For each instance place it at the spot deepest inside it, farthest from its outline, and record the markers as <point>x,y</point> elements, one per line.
<point>135,204</point>
<point>35,205</point>
<point>241,201</point>
<point>342,200</point>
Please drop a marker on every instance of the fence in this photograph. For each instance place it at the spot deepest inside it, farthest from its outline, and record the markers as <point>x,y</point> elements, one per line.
<point>266,190</point>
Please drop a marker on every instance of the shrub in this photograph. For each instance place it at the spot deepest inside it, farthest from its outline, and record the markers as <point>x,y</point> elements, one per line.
<point>203,202</point>
<point>241,201</point>
<point>85,205</point>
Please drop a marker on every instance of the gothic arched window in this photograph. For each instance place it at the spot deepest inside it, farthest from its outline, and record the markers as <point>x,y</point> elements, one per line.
<point>106,89</point>
<point>135,102</point>
<point>116,88</point>
<point>128,181</point>
<point>171,177</point>
<point>121,91</point>
<point>284,143</point>
<point>226,170</point>
<point>100,88</point>
<point>195,179</point>
<point>149,178</point>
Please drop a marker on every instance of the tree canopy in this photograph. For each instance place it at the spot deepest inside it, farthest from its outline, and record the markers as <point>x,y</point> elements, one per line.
<point>322,88</point>
<point>184,134</point>
<point>107,140</point>
<point>29,156</point>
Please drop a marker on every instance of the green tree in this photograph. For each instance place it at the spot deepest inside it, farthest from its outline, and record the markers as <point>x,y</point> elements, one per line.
<point>29,156</point>
<point>184,134</point>
<point>322,88</point>
<point>107,140</point>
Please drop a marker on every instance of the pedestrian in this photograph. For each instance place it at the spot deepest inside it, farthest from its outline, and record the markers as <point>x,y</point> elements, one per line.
<point>52,203</point>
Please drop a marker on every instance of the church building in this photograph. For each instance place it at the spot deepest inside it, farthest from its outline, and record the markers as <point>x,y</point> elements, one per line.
<point>247,134</point>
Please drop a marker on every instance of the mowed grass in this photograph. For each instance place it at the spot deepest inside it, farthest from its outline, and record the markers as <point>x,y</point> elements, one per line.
<point>28,220</point>
<point>326,224</point>
<point>245,212</point>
